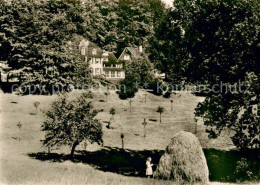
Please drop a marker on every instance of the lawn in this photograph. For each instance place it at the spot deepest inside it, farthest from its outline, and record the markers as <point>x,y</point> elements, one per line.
<point>28,162</point>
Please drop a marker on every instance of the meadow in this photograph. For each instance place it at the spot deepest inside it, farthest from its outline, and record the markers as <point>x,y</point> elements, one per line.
<point>25,161</point>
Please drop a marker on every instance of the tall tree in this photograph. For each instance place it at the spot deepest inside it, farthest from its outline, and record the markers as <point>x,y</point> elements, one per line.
<point>214,43</point>
<point>139,72</point>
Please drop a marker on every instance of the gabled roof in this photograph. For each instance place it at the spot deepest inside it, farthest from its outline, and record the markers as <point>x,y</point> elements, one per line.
<point>111,56</point>
<point>89,46</point>
<point>133,52</point>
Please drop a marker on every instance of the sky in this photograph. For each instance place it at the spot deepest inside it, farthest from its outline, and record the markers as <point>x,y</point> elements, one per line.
<point>168,2</point>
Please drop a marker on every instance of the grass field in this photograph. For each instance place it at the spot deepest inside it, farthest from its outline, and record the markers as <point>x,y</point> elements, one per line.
<point>27,161</point>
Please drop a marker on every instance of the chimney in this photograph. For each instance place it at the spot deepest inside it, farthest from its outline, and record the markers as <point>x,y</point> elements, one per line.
<point>141,49</point>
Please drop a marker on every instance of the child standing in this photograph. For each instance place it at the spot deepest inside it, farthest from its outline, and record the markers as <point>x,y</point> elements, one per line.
<point>149,169</point>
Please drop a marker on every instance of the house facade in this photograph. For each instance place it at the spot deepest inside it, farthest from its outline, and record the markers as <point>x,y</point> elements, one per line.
<point>101,63</point>
<point>112,68</point>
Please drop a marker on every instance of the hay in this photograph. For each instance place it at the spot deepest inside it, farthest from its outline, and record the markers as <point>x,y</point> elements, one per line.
<point>183,161</point>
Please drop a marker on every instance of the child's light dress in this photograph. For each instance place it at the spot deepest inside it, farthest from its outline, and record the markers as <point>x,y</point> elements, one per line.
<point>149,169</point>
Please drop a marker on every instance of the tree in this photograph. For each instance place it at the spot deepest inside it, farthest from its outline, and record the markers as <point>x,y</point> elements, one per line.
<point>112,112</point>
<point>215,43</point>
<point>160,110</point>
<point>37,44</point>
<point>137,73</point>
<point>130,104</point>
<point>70,122</point>
<point>19,125</point>
<point>36,105</point>
<point>34,36</point>
<point>145,95</point>
<point>171,104</point>
<point>122,136</point>
<point>144,123</point>
<point>106,94</point>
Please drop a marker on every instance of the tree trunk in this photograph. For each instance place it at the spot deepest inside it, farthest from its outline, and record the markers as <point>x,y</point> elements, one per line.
<point>123,144</point>
<point>73,150</point>
<point>144,131</point>
<point>160,118</point>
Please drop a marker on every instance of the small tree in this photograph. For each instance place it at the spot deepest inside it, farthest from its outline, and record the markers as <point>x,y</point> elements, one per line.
<point>106,94</point>
<point>70,122</point>
<point>112,111</point>
<point>144,123</point>
<point>36,105</point>
<point>145,95</point>
<point>196,125</point>
<point>171,105</point>
<point>122,136</point>
<point>160,110</point>
<point>130,103</point>
<point>19,125</point>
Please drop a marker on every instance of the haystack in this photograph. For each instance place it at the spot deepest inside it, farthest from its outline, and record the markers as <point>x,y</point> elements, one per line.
<point>183,161</point>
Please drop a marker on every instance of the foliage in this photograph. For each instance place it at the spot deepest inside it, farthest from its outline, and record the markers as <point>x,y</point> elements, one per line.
<point>37,34</point>
<point>106,94</point>
<point>112,111</point>
<point>214,43</point>
<point>160,110</point>
<point>138,72</point>
<point>19,125</point>
<point>34,36</point>
<point>36,105</point>
<point>242,170</point>
<point>70,122</point>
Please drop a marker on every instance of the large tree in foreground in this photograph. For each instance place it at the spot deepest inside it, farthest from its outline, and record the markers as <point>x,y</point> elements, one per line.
<point>217,42</point>
<point>70,122</point>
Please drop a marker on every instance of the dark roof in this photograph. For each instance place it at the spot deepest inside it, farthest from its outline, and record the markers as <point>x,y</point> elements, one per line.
<point>89,50</point>
<point>91,45</point>
<point>134,53</point>
<point>111,56</point>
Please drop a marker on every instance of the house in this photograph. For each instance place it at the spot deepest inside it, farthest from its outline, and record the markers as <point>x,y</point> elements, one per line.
<point>101,63</point>
<point>93,54</point>
<point>130,53</point>
<point>113,69</point>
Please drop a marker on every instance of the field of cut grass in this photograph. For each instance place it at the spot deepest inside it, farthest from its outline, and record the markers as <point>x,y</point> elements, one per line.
<point>27,161</point>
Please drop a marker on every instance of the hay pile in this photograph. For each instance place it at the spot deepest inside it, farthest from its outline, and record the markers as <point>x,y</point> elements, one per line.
<point>183,161</point>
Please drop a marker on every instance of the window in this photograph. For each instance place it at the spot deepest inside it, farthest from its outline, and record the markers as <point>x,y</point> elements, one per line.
<point>107,73</point>
<point>127,57</point>
<point>118,73</point>
<point>112,73</point>
<point>94,52</point>
<point>83,51</point>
